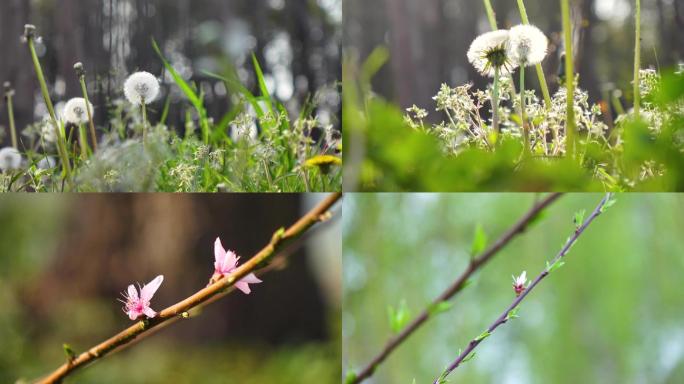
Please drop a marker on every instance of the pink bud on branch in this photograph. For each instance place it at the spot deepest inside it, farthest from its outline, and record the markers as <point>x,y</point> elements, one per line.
<point>519,283</point>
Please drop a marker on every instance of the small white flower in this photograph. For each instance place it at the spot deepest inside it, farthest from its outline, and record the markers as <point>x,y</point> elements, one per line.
<point>141,86</point>
<point>527,45</point>
<point>10,159</point>
<point>75,111</point>
<point>244,128</point>
<point>47,162</point>
<point>519,283</point>
<point>488,51</point>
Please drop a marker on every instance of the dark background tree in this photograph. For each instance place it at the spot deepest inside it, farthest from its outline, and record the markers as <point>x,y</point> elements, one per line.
<point>297,43</point>
<point>428,41</point>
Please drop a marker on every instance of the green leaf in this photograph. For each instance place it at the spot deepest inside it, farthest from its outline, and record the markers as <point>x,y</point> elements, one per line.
<point>468,358</point>
<point>440,307</point>
<point>512,314</point>
<point>262,83</point>
<point>483,336</point>
<point>579,218</point>
<point>398,317</point>
<point>350,377</point>
<point>479,241</point>
<point>552,267</point>
<point>609,203</point>
<point>71,355</point>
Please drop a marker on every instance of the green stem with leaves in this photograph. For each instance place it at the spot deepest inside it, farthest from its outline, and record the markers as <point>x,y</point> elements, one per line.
<point>457,286</point>
<point>540,71</point>
<point>510,312</point>
<point>570,125</point>
<point>637,57</point>
<point>29,34</point>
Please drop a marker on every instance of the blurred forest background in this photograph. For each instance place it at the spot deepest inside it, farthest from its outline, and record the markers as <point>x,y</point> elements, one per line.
<point>296,42</point>
<point>428,41</point>
<point>65,260</point>
<point>612,314</point>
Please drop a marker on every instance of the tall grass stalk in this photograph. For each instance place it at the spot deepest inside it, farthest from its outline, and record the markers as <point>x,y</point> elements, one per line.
<point>30,34</point>
<point>538,67</point>
<point>9,92</point>
<point>526,131</point>
<point>80,72</point>
<point>637,57</point>
<point>569,79</point>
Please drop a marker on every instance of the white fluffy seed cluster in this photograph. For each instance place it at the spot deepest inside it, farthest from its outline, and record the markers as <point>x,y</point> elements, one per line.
<point>522,45</point>
<point>141,87</point>
<point>10,159</point>
<point>527,45</point>
<point>76,111</point>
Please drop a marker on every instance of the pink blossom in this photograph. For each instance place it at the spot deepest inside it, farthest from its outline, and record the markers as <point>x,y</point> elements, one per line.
<point>226,262</point>
<point>137,305</point>
<point>519,283</point>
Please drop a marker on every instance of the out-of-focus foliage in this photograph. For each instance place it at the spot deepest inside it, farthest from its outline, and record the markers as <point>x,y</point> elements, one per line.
<point>611,314</point>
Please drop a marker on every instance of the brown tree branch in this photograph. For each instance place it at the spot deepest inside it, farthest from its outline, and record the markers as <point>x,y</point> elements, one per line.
<point>506,315</point>
<point>458,285</point>
<point>280,241</point>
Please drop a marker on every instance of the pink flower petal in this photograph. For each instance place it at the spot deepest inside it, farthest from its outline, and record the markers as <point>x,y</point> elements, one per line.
<point>149,289</point>
<point>219,252</point>
<point>132,315</point>
<point>251,279</point>
<point>149,312</point>
<point>243,286</point>
<point>132,293</point>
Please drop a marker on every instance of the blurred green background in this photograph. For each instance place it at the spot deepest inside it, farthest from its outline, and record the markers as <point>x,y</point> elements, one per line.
<point>65,260</point>
<point>612,314</point>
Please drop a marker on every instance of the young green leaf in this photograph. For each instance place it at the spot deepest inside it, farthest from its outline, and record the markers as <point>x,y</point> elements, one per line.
<point>479,241</point>
<point>398,317</point>
<point>440,307</point>
<point>552,267</point>
<point>483,336</point>
<point>513,313</point>
<point>579,218</point>
<point>468,358</point>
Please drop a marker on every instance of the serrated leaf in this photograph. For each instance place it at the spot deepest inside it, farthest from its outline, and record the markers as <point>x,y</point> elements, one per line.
<point>440,307</point>
<point>483,336</point>
<point>479,241</point>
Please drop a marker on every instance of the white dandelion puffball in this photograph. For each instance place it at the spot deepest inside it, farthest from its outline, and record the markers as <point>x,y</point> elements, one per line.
<point>75,111</point>
<point>10,159</point>
<point>527,45</point>
<point>488,51</point>
<point>47,130</point>
<point>248,132</point>
<point>141,86</point>
<point>47,162</point>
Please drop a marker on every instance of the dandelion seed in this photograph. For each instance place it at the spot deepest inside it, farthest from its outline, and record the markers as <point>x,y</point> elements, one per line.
<point>10,159</point>
<point>526,45</point>
<point>488,52</point>
<point>141,87</point>
<point>75,111</point>
<point>519,283</point>
<point>226,262</point>
<point>139,304</point>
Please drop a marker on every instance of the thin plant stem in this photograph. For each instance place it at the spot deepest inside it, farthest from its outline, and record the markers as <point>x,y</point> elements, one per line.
<point>504,317</point>
<point>93,135</point>
<point>268,173</point>
<point>569,80</point>
<point>491,16</point>
<point>280,241</point>
<point>143,106</point>
<point>29,34</point>
<point>495,101</point>
<point>9,92</point>
<point>526,133</point>
<point>540,71</point>
<point>637,57</point>
<point>83,142</point>
<point>457,286</point>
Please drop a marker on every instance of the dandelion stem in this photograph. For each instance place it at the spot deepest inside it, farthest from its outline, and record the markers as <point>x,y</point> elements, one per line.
<point>538,67</point>
<point>495,101</point>
<point>29,33</point>
<point>525,128</point>
<point>10,114</point>
<point>83,141</point>
<point>81,79</point>
<point>278,244</point>
<point>143,106</point>
<point>637,57</point>
<point>491,16</point>
<point>569,80</point>
<point>457,286</point>
<point>505,315</point>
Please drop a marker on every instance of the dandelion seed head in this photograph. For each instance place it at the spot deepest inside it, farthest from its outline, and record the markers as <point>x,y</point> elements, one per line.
<point>526,45</point>
<point>141,87</point>
<point>47,130</point>
<point>76,111</point>
<point>47,162</point>
<point>488,52</point>
<point>10,159</point>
